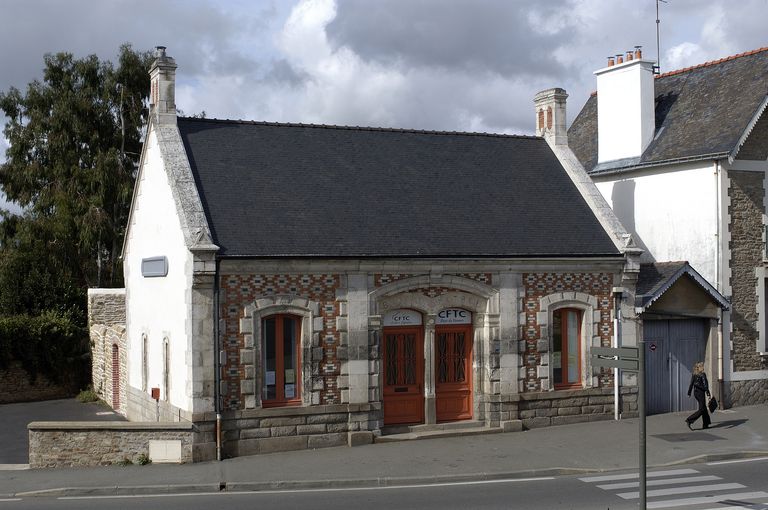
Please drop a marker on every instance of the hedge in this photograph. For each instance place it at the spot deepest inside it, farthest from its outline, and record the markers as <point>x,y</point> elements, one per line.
<point>52,344</point>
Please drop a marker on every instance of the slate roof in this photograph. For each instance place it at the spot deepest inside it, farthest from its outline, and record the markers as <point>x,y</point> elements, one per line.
<point>293,190</point>
<point>657,278</point>
<point>701,112</point>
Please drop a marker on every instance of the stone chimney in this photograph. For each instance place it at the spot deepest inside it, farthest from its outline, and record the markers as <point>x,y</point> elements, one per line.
<point>162,98</point>
<point>550,116</point>
<point>625,107</point>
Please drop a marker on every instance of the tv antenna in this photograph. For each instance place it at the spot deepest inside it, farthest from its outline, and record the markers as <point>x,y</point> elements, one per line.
<point>657,67</point>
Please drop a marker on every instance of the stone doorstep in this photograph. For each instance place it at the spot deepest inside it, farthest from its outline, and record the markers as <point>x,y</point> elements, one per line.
<point>408,429</point>
<point>434,434</point>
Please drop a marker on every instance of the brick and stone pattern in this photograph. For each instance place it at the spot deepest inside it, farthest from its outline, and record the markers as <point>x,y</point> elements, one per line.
<point>66,444</point>
<point>106,323</point>
<point>746,249</point>
<point>241,290</point>
<point>16,385</point>
<point>538,285</point>
<point>747,393</point>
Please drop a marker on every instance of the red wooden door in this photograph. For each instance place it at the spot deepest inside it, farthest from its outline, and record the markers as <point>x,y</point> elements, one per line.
<point>403,355</point>
<point>453,372</point>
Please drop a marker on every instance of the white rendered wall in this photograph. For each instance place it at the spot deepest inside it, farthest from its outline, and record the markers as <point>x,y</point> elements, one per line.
<point>157,307</point>
<point>625,110</point>
<point>671,214</point>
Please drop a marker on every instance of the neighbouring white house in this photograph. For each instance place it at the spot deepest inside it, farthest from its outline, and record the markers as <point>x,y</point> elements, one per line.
<point>297,286</point>
<point>682,159</point>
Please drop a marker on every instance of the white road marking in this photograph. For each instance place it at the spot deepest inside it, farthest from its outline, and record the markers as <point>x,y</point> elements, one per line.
<point>294,491</point>
<point>682,490</point>
<point>9,499</point>
<point>720,462</point>
<point>630,476</point>
<point>667,481</point>
<point>13,467</point>
<point>706,500</point>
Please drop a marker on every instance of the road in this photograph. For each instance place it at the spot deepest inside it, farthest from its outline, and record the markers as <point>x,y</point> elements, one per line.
<point>717,486</point>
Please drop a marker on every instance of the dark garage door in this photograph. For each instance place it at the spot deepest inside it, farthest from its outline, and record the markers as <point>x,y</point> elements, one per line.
<point>671,349</point>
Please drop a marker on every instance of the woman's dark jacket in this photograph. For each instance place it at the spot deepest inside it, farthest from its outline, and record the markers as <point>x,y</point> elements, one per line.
<point>699,382</point>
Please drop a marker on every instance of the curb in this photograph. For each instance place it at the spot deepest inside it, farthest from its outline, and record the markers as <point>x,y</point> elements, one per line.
<point>360,483</point>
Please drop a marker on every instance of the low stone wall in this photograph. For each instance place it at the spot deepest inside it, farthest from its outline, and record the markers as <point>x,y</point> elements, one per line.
<point>255,431</point>
<point>17,386</point>
<point>746,393</point>
<point>61,444</point>
<point>544,409</point>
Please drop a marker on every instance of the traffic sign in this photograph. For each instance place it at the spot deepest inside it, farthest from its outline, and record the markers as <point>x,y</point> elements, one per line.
<point>621,352</point>
<point>626,364</point>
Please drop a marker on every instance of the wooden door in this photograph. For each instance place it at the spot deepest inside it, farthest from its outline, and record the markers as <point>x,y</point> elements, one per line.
<point>453,372</point>
<point>403,356</point>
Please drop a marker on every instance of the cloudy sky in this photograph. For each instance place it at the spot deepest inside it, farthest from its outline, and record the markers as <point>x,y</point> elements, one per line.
<point>433,64</point>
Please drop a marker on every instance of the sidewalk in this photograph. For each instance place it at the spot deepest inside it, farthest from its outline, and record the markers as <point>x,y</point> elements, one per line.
<point>588,447</point>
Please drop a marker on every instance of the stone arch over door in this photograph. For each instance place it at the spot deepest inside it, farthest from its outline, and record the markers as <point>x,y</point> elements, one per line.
<point>309,339</point>
<point>479,299</point>
<point>590,327</point>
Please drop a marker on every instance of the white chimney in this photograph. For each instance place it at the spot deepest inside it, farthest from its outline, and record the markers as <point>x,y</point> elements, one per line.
<point>625,107</point>
<point>162,97</point>
<point>550,116</point>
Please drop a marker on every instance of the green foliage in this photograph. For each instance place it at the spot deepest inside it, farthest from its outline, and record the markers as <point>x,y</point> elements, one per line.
<point>52,344</point>
<point>125,462</point>
<point>87,396</point>
<point>143,459</point>
<point>75,140</point>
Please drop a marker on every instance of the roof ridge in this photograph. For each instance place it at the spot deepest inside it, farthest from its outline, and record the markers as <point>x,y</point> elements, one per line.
<point>713,62</point>
<point>358,128</point>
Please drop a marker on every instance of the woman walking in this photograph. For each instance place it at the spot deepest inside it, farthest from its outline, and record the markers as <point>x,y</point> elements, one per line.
<point>700,387</point>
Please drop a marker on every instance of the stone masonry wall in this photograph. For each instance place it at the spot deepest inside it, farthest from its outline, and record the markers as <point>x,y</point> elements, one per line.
<point>746,393</point>
<point>746,248</point>
<point>63,444</point>
<point>17,386</point>
<point>106,324</point>
<point>256,431</point>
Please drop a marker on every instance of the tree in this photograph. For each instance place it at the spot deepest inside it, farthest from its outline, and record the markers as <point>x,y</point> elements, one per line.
<point>75,140</point>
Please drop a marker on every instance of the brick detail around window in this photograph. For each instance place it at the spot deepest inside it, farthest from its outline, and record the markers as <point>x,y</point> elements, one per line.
<point>242,290</point>
<point>538,285</point>
<point>379,280</point>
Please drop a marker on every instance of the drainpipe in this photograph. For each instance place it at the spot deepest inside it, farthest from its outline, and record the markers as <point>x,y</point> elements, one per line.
<point>615,343</point>
<point>217,360</point>
<point>719,282</point>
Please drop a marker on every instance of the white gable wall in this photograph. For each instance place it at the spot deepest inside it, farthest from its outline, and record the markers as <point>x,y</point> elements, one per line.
<point>157,306</point>
<point>671,212</point>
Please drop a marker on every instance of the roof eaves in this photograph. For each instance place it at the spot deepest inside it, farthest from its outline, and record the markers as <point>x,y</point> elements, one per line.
<point>748,130</point>
<point>608,168</point>
<point>643,302</point>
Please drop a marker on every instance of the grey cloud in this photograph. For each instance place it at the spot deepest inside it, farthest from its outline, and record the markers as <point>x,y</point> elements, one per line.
<point>482,35</point>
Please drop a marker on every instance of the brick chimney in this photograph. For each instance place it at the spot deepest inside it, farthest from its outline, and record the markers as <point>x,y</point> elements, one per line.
<point>625,107</point>
<point>162,98</point>
<point>550,116</point>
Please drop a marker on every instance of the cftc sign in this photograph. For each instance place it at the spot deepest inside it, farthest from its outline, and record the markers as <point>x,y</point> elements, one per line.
<point>453,316</point>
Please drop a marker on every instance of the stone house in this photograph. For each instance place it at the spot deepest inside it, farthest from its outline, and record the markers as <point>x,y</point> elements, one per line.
<point>297,286</point>
<point>682,158</point>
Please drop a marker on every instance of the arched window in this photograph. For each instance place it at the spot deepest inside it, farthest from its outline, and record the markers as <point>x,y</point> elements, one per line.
<point>280,360</point>
<point>566,348</point>
<point>549,117</point>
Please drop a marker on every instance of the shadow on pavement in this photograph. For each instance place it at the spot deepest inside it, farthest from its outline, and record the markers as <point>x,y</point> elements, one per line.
<point>688,437</point>
<point>729,424</point>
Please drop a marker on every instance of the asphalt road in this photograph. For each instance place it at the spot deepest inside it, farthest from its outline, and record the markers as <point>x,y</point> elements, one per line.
<point>727,485</point>
<point>14,438</point>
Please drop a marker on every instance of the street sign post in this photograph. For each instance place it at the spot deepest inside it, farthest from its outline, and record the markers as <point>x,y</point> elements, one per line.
<point>631,359</point>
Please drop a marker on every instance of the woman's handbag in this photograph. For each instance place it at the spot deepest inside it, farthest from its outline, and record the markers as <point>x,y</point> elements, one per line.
<point>712,404</point>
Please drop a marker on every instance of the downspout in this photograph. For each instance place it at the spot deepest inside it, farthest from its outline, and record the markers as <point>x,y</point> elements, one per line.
<point>617,294</point>
<point>217,360</point>
<point>718,277</point>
